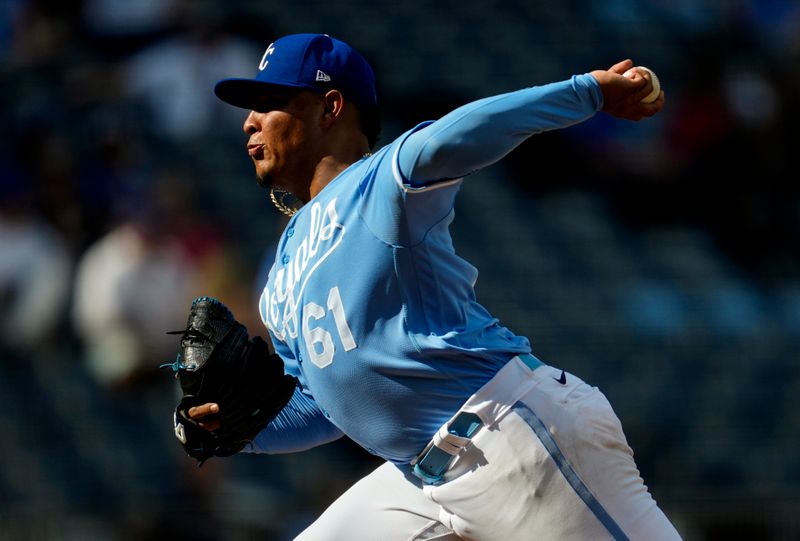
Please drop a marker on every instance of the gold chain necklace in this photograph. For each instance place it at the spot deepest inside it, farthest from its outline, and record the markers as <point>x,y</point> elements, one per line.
<point>278,197</point>
<point>278,201</point>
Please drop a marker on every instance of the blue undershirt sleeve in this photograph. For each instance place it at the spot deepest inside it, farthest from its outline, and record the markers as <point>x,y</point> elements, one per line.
<point>480,133</point>
<point>299,426</point>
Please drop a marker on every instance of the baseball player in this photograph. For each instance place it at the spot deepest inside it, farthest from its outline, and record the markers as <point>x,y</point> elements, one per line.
<point>375,314</point>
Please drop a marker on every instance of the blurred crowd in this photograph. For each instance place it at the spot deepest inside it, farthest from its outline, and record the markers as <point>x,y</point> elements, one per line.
<point>125,191</point>
<point>104,231</point>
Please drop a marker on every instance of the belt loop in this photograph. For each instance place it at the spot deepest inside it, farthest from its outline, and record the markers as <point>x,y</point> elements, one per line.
<point>530,361</point>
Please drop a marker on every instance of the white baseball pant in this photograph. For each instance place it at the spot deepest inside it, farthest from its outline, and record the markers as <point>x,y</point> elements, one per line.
<point>550,462</point>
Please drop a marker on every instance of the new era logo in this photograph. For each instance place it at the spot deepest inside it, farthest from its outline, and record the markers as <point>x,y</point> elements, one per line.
<point>322,76</point>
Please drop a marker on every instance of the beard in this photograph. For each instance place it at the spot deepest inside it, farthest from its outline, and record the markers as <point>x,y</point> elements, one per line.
<point>264,180</point>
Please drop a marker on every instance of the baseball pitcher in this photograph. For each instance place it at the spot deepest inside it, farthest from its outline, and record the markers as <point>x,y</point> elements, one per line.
<point>375,319</point>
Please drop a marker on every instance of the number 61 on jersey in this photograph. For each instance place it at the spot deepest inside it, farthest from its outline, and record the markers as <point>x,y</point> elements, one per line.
<point>319,342</point>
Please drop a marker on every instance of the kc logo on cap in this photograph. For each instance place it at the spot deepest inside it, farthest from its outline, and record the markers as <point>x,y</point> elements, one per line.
<point>264,59</point>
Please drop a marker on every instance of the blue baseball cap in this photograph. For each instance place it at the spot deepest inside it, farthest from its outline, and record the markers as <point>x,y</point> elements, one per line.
<point>315,62</point>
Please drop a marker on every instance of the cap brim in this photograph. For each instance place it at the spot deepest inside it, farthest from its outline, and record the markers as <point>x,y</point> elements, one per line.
<point>244,92</point>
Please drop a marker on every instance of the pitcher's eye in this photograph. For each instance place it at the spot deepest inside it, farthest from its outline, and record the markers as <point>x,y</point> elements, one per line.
<point>265,104</point>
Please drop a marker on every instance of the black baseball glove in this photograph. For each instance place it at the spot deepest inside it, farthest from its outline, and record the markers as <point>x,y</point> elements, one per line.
<point>218,363</point>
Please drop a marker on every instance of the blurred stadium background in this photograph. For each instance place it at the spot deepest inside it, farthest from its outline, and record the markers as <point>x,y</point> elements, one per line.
<point>658,260</point>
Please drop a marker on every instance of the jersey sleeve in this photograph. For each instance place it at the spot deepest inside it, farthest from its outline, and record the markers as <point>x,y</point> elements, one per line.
<point>484,131</point>
<point>299,426</point>
<point>410,186</point>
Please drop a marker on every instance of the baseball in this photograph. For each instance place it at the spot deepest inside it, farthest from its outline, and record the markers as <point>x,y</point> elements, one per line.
<point>652,96</point>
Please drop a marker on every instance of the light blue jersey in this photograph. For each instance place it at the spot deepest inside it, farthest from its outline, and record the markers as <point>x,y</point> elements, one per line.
<point>368,303</point>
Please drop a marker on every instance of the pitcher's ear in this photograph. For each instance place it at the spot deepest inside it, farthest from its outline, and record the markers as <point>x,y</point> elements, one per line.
<point>334,104</point>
